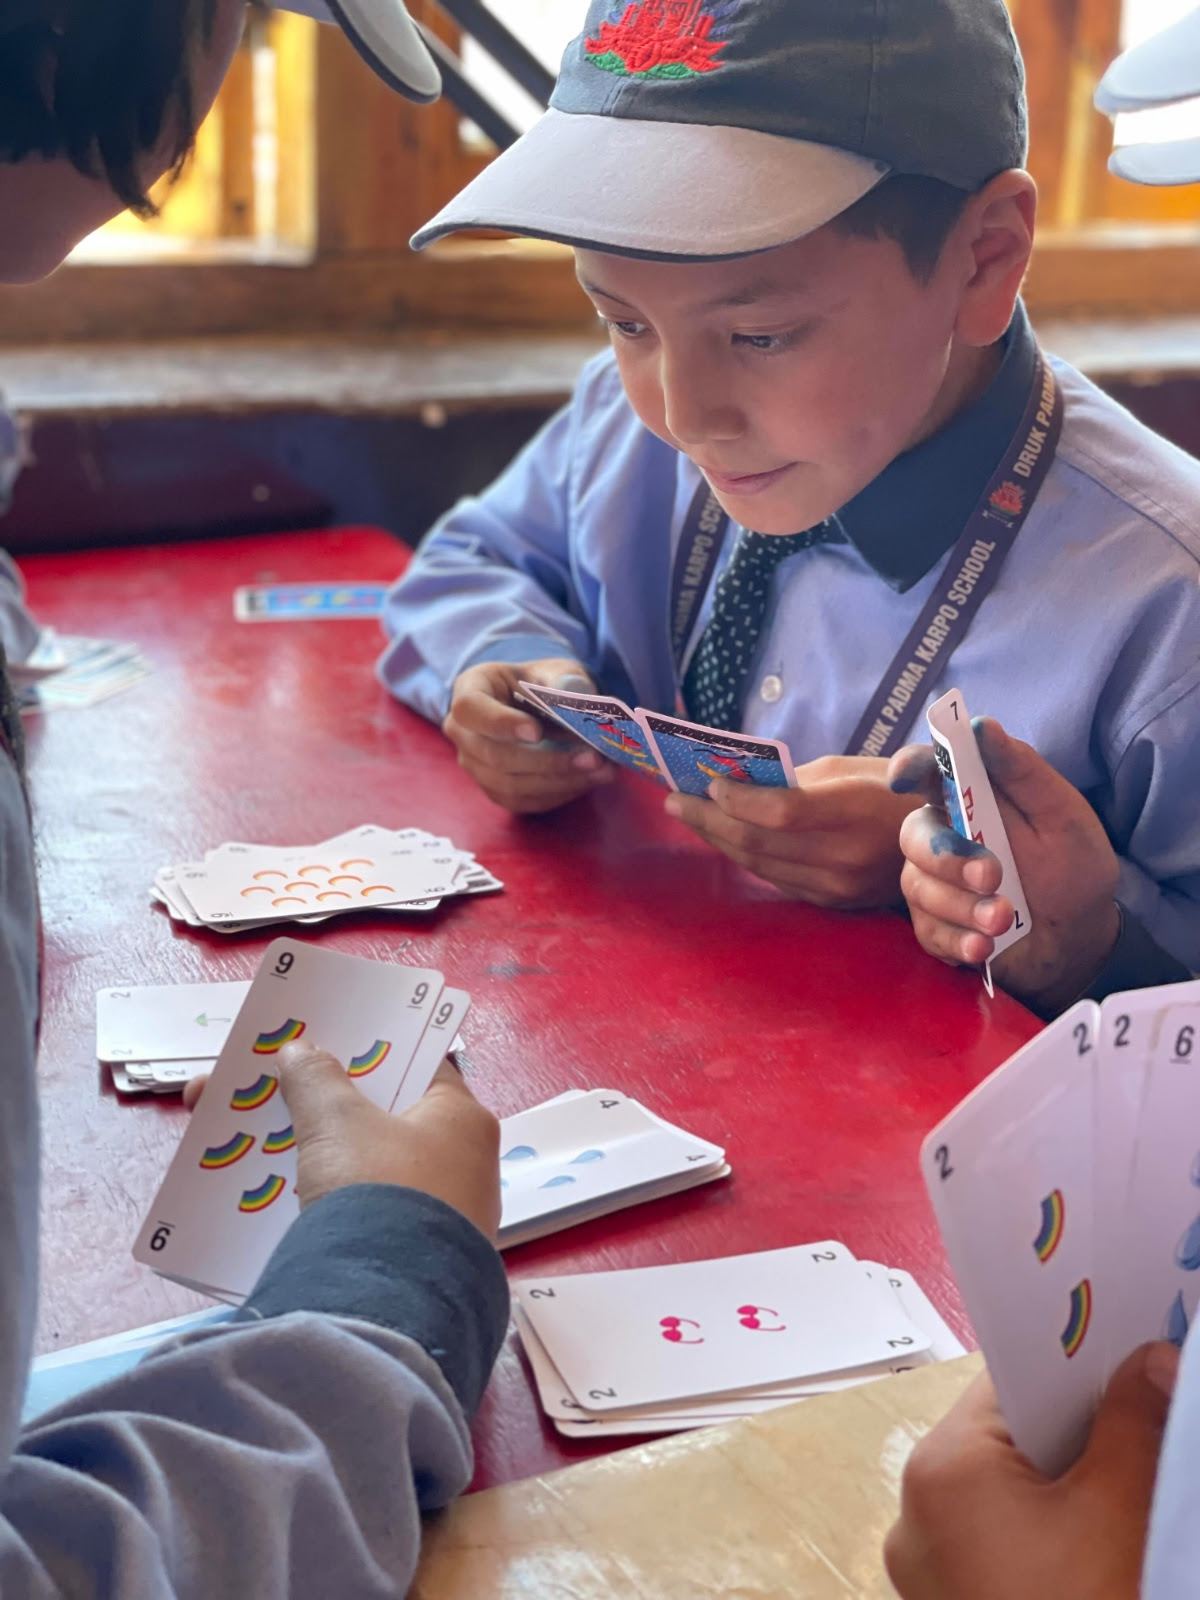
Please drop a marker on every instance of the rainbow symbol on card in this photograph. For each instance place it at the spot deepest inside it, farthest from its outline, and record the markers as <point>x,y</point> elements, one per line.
<point>255,1094</point>
<point>224,1155</point>
<point>265,1195</point>
<point>276,1143</point>
<point>370,1059</point>
<point>1076,1329</point>
<point>1054,1215</point>
<point>268,1043</point>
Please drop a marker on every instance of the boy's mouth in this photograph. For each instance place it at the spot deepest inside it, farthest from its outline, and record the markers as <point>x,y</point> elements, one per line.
<point>745,483</point>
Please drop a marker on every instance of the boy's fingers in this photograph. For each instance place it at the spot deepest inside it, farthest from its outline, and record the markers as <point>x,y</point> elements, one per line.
<point>315,1087</point>
<point>959,908</point>
<point>932,845</point>
<point>1127,1434</point>
<point>192,1090</point>
<point>542,760</point>
<point>914,770</point>
<point>476,711</point>
<point>773,809</point>
<point>1026,778</point>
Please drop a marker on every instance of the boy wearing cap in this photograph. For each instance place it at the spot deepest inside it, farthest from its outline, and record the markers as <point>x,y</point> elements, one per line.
<point>290,1451</point>
<point>805,224</point>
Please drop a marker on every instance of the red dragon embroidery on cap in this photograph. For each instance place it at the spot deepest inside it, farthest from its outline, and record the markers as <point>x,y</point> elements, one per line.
<point>661,39</point>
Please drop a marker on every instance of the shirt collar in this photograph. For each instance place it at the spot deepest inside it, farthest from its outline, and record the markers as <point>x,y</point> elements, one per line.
<point>914,511</point>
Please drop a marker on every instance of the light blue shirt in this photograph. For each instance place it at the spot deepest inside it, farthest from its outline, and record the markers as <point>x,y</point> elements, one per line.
<point>1088,647</point>
<point>1173,1555</point>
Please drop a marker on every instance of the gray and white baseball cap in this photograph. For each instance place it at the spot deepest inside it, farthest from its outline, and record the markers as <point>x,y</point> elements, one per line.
<point>1158,72</point>
<point>384,35</point>
<point>702,129</point>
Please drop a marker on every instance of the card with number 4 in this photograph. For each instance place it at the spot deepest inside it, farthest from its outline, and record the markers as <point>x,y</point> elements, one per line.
<point>229,1195</point>
<point>973,810</point>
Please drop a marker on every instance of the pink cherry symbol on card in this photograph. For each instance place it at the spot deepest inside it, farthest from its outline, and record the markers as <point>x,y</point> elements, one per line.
<point>672,1330</point>
<point>752,1317</point>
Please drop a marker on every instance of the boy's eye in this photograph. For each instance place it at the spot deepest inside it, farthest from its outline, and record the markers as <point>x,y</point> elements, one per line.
<point>626,330</point>
<point>758,341</point>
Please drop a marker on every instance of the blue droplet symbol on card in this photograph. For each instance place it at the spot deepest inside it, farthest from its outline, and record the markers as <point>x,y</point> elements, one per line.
<point>1187,1251</point>
<point>1175,1329</point>
<point>558,1182</point>
<point>520,1152</point>
<point>1195,1173</point>
<point>586,1155</point>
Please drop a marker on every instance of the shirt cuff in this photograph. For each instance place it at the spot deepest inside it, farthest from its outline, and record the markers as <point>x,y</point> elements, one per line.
<point>403,1260</point>
<point>513,648</point>
<point>1136,962</point>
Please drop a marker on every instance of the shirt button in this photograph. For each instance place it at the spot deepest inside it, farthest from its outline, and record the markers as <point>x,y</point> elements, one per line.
<point>772,688</point>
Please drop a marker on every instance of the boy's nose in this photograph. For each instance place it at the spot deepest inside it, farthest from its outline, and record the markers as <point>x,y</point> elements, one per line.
<point>698,412</point>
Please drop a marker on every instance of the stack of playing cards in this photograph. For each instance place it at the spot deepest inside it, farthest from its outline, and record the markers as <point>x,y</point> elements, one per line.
<point>589,1153</point>
<point>663,1349</point>
<point>1067,1188</point>
<point>230,1193</point>
<point>153,1038</point>
<point>66,672</point>
<point>681,755</point>
<point>308,602</point>
<point>240,886</point>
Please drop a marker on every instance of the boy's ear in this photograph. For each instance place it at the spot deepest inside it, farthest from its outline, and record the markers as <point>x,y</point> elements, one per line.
<point>995,241</point>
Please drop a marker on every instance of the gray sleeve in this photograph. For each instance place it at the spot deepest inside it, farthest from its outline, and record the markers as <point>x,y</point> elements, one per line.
<point>287,1458</point>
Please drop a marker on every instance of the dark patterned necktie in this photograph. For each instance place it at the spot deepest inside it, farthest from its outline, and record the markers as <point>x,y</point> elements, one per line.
<point>715,684</point>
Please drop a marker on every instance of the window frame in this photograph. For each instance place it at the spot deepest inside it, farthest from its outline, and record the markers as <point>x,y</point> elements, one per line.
<point>382,166</point>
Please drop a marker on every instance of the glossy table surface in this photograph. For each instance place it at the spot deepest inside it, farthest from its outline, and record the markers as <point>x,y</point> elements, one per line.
<point>817,1048</point>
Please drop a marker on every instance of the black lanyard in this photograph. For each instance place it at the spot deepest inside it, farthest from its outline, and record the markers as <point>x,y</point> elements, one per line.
<point>968,577</point>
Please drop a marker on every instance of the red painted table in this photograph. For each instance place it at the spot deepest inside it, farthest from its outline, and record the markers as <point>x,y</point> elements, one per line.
<point>817,1048</point>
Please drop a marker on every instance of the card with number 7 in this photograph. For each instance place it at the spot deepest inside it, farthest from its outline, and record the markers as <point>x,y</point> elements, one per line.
<point>972,808</point>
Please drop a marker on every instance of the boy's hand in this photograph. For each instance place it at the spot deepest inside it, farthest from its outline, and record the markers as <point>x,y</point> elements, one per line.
<point>979,1522</point>
<point>507,750</point>
<point>1068,870</point>
<point>447,1145</point>
<point>833,841</point>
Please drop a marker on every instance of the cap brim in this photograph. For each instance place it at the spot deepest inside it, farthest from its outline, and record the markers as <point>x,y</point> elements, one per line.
<point>1177,161</point>
<point>657,190</point>
<point>385,36</point>
<point>1157,72</point>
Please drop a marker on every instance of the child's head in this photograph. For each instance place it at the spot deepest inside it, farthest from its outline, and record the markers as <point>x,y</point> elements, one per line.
<point>801,220</point>
<point>100,98</point>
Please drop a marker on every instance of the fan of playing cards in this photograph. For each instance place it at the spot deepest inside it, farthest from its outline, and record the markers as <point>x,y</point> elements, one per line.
<point>681,755</point>
<point>230,1192</point>
<point>240,886</point>
<point>663,1349</point>
<point>1067,1188</point>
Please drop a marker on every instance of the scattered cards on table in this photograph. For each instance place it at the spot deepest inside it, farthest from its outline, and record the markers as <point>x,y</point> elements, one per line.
<point>241,886</point>
<point>589,1153</point>
<point>154,1037</point>
<point>973,811</point>
<point>682,755</point>
<point>306,602</point>
<point>230,1193</point>
<point>67,672</point>
<point>1067,1189</point>
<point>664,1349</point>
